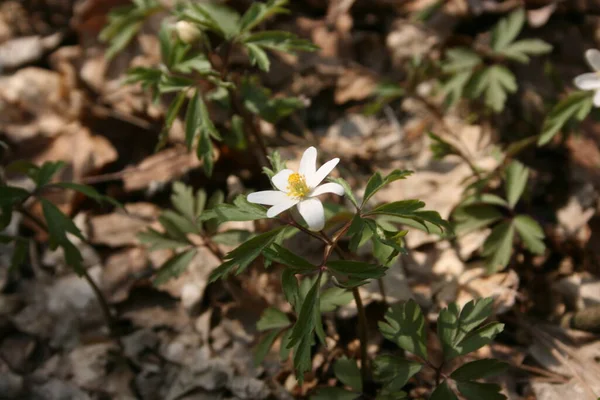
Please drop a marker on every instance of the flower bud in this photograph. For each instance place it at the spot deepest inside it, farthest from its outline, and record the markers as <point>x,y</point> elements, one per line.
<point>187,32</point>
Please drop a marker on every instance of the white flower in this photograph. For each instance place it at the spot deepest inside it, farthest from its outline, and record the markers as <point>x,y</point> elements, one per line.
<point>300,188</point>
<point>591,80</point>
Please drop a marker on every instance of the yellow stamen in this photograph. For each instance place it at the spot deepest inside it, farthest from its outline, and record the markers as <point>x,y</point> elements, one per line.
<point>297,186</point>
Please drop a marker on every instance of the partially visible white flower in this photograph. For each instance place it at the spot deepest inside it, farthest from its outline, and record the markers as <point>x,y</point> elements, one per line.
<point>300,188</point>
<point>591,80</point>
<point>187,32</point>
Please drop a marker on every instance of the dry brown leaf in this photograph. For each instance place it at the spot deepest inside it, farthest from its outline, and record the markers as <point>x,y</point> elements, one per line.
<point>120,228</point>
<point>354,85</point>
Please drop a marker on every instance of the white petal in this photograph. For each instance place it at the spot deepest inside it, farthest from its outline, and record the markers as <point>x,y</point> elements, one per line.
<point>597,98</point>
<point>593,58</point>
<point>308,163</point>
<point>314,180</point>
<point>589,81</point>
<point>313,213</point>
<point>281,207</point>
<point>331,187</point>
<point>280,179</point>
<point>267,197</point>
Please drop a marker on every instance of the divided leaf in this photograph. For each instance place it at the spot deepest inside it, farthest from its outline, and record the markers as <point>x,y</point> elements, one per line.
<point>507,30</point>
<point>516,181</point>
<point>479,369</point>
<point>394,372</point>
<point>272,318</point>
<point>575,106</point>
<point>174,267</point>
<point>531,233</point>
<point>497,248</point>
<point>405,325</point>
<point>376,182</point>
<point>347,372</point>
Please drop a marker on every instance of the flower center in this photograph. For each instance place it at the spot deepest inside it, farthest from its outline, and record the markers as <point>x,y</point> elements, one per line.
<point>297,186</point>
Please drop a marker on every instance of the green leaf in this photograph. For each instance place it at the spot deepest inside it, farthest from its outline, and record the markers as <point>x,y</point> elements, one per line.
<point>497,248</point>
<point>159,241</point>
<point>177,226</point>
<point>456,329</point>
<point>12,195</point>
<point>397,208</point>
<point>172,113</point>
<point>376,182</point>
<point>306,322</point>
<point>334,297</point>
<point>516,181</point>
<point>334,393</point>
<point>478,391</point>
<point>44,174</point>
<point>460,59</point>
<point>347,190</point>
<point>291,289</point>
<point>215,17</point>
<point>19,254</point>
<point>265,344</point>
<point>531,233</point>
<point>440,147</point>
<point>280,41</point>
<point>258,56</point>
<point>260,101</point>
<point>519,51</point>
<point>479,369</point>
<point>473,217</point>
<point>88,191</point>
<point>284,350</point>
<point>192,120</point>
<point>356,269</point>
<point>243,255</point>
<point>302,357</point>
<point>259,12</point>
<point>443,392</point>
<point>405,325</point>
<point>272,318</point>
<point>182,199</point>
<point>233,237</point>
<point>494,83</point>
<point>174,267</point>
<point>507,30</point>
<point>348,373</point>
<point>283,256</point>
<point>453,88</point>
<point>277,164</point>
<point>206,123</point>
<point>58,226</point>
<point>394,372</point>
<point>205,152</point>
<point>575,106</point>
<point>240,210</point>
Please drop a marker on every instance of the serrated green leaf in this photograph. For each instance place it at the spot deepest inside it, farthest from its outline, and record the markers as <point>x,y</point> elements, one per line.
<point>259,12</point>
<point>405,325</point>
<point>284,350</point>
<point>519,51</point>
<point>176,226</point>
<point>507,30</point>
<point>531,233</point>
<point>479,369</point>
<point>218,18</point>
<point>174,267</point>
<point>333,298</point>
<point>265,344</point>
<point>376,182</point>
<point>516,181</point>
<point>456,329</point>
<point>306,322</point>
<point>58,226</point>
<point>494,83</point>
<point>240,210</point>
<point>394,372</point>
<point>347,190</point>
<point>356,269</point>
<point>12,195</point>
<point>302,357</point>
<point>497,248</point>
<point>88,191</point>
<point>478,391</point>
<point>291,289</point>
<point>182,199</point>
<point>258,56</point>
<point>159,241</point>
<point>347,372</point>
<point>243,255</point>
<point>397,208</point>
<point>272,318</point>
<point>443,392</point>
<point>206,123</point>
<point>283,256</point>
<point>473,217</point>
<point>575,106</point>
<point>192,120</point>
<point>279,41</point>
<point>460,59</point>
<point>453,88</point>
<point>233,237</point>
